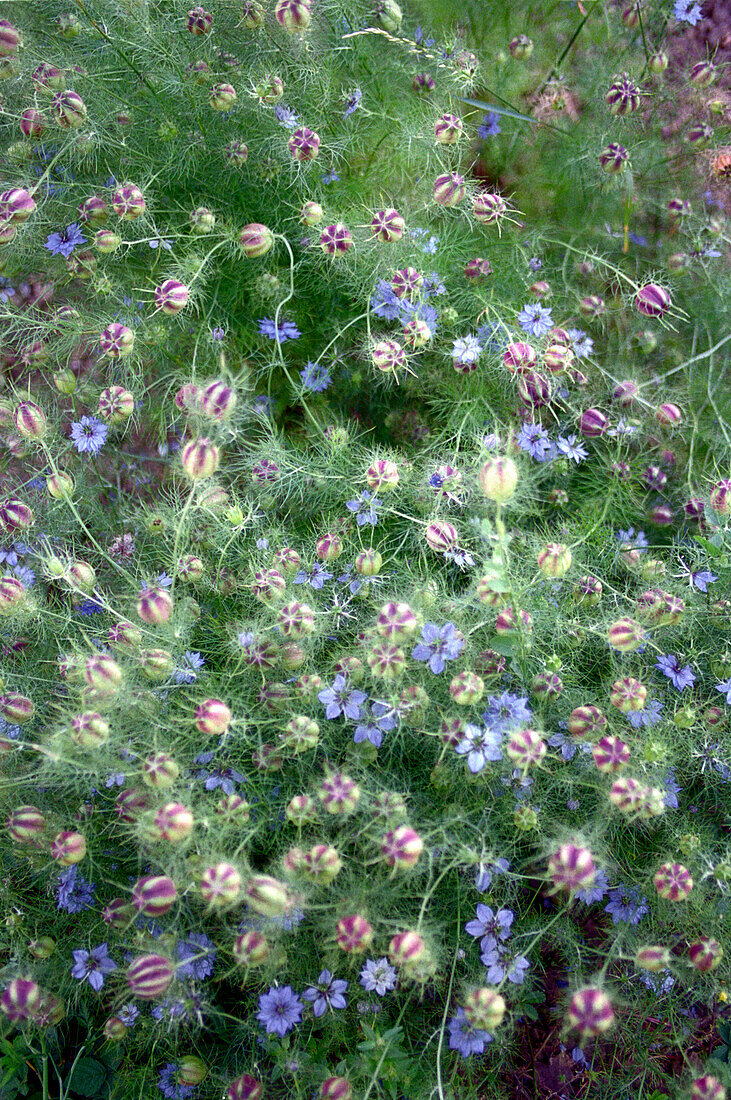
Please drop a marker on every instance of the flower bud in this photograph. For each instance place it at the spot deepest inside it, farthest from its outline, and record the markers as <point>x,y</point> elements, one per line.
<point>402,847</point>
<point>488,208</point>
<point>69,110</point>
<point>10,39</point>
<point>389,16</point>
<point>448,129</point>
<point>610,754</point>
<point>154,895</point>
<point>30,420</point>
<point>42,948</point>
<point>212,717</point>
<point>613,158</point>
<point>498,479</point>
<point>628,695</point>
<point>388,226</point>
<point>266,896</point>
<point>554,560</point>
<point>199,21</point>
<point>304,144</point>
<point>220,885</point>
<point>68,848</point>
<point>160,771</point>
<point>171,296</point>
<point>449,189</point>
<point>21,999</point>
<point>335,1088</point>
<point>103,675</point>
<point>623,96</point>
<point>200,459</point>
<point>149,977</point>
<point>593,423</point>
<point>703,74</point>
<point>128,202</point>
<point>707,1088</point>
<point>705,954</point>
<point>250,949</point>
<point>294,15</point>
<point>154,605</point>
<point>117,341</point>
<point>658,62</point>
<point>354,934</point>
<point>256,240</point>
<point>521,47</point>
<point>245,1088</point>
<point>25,824</point>
<point>626,635</point>
<point>673,881</point>
<point>466,688</point>
<point>652,301</point>
<point>222,97</point>
<point>406,949</point>
<point>590,1012</point>
<point>571,868</point>
<point>525,748</point>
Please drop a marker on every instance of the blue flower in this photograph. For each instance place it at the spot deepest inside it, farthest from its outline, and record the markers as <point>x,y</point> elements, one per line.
<point>89,434</point>
<point>197,956</point>
<point>534,439</point>
<point>315,377</point>
<point>438,645</point>
<point>702,579</point>
<point>535,319</point>
<point>65,241</point>
<point>581,343</point>
<point>506,711</point>
<point>725,689</point>
<point>339,699</point>
<point>490,125</point>
<point>687,11</point>
<point>464,1038</point>
<point>353,102</point>
<point>680,678</point>
<point>327,994</point>
<point>73,892</point>
<point>366,508</point>
<point>479,745</point>
<point>315,578</point>
<point>285,330</point>
<point>596,891</point>
<point>92,966</point>
<point>279,1010</point>
<point>429,246</point>
<point>169,1086</point>
<point>570,447</point>
<point>626,904</point>
<point>186,672</point>
<point>385,302</point>
<point>383,721</point>
<point>485,872</point>
<point>631,541</point>
<point>648,716</point>
<point>331,177</point>
<point>286,116</point>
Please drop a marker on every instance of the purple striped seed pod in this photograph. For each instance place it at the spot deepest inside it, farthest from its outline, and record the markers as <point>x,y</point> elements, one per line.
<point>311,213</point>
<point>32,123</point>
<point>154,895</point>
<point>658,62</point>
<point>705,955</point>
<point>220,885</point>
<point>510,622</point>
<point>222,97</point>
<point>294,16</point>
<point>669,415</point>
<point>703,74</point>
<point>21,999</point>
<point>401,848</point>
<point>149,977</point>
<point>69,110</point>
<point>441,537</point>
<point>654,958</point>
<point>129,804</point>
<point>628,694</point>
<point>218,400</point>
<point>16,205</point>
<point>335,1088</point>
<point>270,89</point>
<point>339,794</point>
<point>322,864</point>
<point>707,1088</point>
<point>115,1029</point>
<point>250,949</point>
<point>94,210</point>
<point>498,479</point>
<point>301,733</point>
<point>296,620</point>
<point>160,771</point>
<point>154,605</point>
<point>329,547</point>
<point>336,239</point>
<point>487,594</point>
<point>423,83</point>
<point>60,485</point>
<point>124,635</point>
<point>369,563</point>
<point>190,569</point>
<point>354,934</point>
<point>673,881</point>
<point>199,21</point>
<point>287,559</point>
<point>484,1008</point>
<point>386,661</point>
<point>557,358</point>
<point>525,748</point>
<point>212,717</point>
<point>547,685</point>
<point>586,722</point>
<point>103,674</point>
<point>476,271</point>
<point>304,144</point>
<point>202,220</point>
<point>25,824</point>
<point>15,515</point>
<point>16,709</point>
<point>554,559</point>
<point>266,469</point>
<point>173,822</point>
<point>89,730</point>
<point>116,404</point>
<point>624,95</point>
<point>590,1012</point>
<point>68,848</point>
<point>626,635</point>
<point>256,240</point>
<point>388,355</point>
<point>106,241</point>
<point>267,896</point>
<point>30,420</point>
<point>292,656</point>
<point>128,202</point>
<point>540,289</point>
<point>7,234</point>
<point>245,1088</point>
<point>117,340</point>
<point>156,664</point>
<point>466,688</point>
<point>593,423</point>
<point>521,47</point>
<point>652,300</point>
<point>80,575</point>
<point>12,595</point>
<point>614,158</point>
<point>268,585</point>
<point>200,459</point>
<point>571,868</point>
<point>407,283</point>
<point>171,296</point>
<point>626,794</point>
<point>449,189</point>
<point>720,497</point>
<point>448,130</point>
<point>592,306</point>
<point>519,357</point>
<point>396,621</point>
<point>406,949</point>
<point>10,39</point>
<point>301,810</point>
<point>488,208</point>
<point>388,226</point>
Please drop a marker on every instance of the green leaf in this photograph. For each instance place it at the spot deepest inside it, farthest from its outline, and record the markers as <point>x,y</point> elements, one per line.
<point>714,550</point>
<point>88,1078</point>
